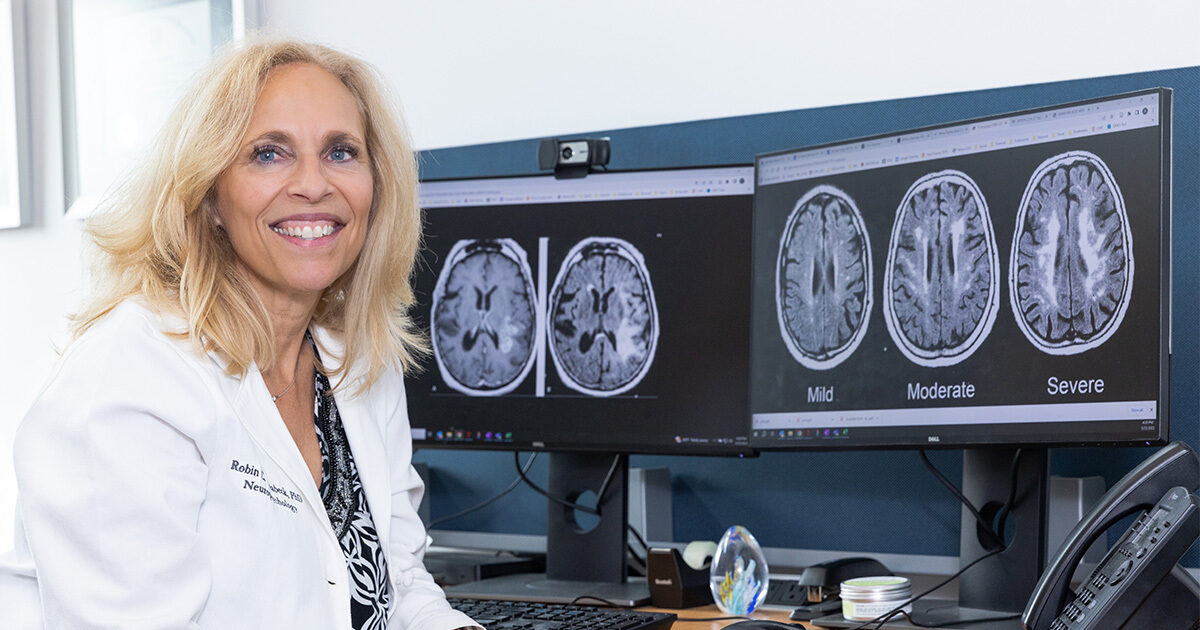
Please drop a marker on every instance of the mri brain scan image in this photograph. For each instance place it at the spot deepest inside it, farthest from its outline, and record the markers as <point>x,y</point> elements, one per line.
<point>1071,270</point>
<point>604,324</point>
<point>823,281</point>
<point>942,280</point>
<point>485,321</point>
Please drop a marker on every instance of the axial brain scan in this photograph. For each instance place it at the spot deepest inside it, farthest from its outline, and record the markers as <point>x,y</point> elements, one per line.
<point>1071,271</point>
<point>823,281</point>
<point>942,280</point>
<point>484,316</point>
<point>603,319</point>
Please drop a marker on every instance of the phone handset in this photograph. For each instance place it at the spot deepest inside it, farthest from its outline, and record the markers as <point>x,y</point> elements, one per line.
<point>1174,465</point>
<point>1139,585</point>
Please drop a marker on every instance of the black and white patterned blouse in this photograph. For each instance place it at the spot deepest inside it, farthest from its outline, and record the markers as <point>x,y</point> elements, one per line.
<point>346,504</point>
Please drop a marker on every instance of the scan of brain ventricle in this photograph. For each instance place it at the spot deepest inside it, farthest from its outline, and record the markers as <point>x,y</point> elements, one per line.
<point>604,323</point>
<point>942,279</point>
<point>823,279</point>
<point>484,317</point>
<point>1071,267</point>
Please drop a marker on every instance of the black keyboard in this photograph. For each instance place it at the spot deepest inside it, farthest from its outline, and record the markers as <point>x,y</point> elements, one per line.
<point>502,615</point>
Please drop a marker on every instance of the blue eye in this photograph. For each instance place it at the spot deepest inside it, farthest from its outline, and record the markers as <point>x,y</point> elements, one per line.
<point>343,153</point>
<point>265,155</point>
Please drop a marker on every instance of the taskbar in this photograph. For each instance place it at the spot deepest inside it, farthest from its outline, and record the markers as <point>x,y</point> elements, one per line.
<point>1092,433</point>
<point>509,440</point>
<point>956,415</point>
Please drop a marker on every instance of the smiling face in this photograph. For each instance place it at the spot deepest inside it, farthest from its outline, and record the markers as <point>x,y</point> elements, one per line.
<point>296,200</point>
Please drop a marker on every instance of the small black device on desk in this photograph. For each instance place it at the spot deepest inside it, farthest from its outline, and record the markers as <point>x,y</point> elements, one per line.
<point>815,592</point>
<point>503,615</point>
<point>674,584</point>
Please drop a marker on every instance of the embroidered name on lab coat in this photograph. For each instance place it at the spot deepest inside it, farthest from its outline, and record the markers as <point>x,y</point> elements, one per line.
<point>256,481</point>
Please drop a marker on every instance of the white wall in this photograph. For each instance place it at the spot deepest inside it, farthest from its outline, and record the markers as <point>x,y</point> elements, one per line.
<point>471,71</point>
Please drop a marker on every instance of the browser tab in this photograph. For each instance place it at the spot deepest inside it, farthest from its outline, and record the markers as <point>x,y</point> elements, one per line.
<point>963,139</point>
<point>721,181</point>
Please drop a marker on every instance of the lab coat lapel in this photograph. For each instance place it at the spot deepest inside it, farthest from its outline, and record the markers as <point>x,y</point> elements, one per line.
<point>251,403</point>
<point>261,419</point>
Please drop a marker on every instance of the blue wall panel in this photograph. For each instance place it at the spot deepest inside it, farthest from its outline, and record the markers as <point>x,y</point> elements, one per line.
<point>876,501</point>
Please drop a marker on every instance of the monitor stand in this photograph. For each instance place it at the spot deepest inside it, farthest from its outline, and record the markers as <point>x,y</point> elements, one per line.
<point>1000,585</point>
<point>581,561</point>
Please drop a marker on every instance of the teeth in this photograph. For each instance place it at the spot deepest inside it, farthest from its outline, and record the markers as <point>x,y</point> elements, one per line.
<point>307,232</point>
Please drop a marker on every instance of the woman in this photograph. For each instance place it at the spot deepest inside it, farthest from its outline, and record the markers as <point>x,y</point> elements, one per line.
<point>226,444</point>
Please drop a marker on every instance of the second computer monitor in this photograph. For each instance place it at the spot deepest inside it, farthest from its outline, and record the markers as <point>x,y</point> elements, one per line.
<point>609,313</point>
<point>995,281</point>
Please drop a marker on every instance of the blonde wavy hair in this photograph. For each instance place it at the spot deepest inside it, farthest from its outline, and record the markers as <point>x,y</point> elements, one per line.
<point>156,237</point>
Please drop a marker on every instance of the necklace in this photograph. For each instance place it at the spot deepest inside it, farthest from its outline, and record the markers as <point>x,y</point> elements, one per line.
<point>275,397</point>
<point>287,389</point>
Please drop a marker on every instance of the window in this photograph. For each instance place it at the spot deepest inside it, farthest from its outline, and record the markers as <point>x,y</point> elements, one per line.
<point>14,115</point>
<point>124,65</point>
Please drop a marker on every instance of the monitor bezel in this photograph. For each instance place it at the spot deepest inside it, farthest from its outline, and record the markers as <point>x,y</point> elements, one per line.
<point>704,450</point>
<point>1165,301</point>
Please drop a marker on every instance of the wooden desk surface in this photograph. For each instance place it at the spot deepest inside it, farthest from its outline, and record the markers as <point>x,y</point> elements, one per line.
<point>712,611</point>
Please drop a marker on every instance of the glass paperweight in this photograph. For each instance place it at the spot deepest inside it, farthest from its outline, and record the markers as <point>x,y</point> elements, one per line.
<point>738,577</point>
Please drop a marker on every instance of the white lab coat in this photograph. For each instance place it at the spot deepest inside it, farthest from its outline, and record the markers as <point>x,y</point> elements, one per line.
<point>157,492</point>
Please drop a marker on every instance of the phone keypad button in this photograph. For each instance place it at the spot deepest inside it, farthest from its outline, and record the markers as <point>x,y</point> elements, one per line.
<point>1121,572</point>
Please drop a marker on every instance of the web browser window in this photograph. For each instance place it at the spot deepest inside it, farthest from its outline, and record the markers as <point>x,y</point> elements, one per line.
<point>994,280</point>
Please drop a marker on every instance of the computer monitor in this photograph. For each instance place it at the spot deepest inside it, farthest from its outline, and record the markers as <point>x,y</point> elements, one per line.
<point>990,284</point>
<point>591,317</point>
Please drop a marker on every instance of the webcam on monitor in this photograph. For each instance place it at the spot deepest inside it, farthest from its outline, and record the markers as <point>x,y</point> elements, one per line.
<point>573,158</point>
